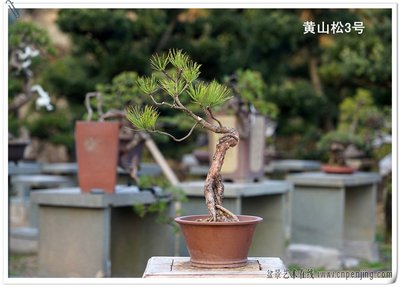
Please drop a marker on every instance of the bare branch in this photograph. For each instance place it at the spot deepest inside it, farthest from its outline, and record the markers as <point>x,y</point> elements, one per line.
<point>208,110</point>
<point>203,122</point>
<point>113,113</point>
<point>174,138</point>
<point>99,104</point>
<point>22,98</point>
<point>162,103</point>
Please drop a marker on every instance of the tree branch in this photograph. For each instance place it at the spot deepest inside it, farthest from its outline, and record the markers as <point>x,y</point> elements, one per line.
<point>208,110</point>
<point>203,122</point>
<point>22,98</point>
<point>113,113</point>
<point>174,138</point>
<point>162,103</point>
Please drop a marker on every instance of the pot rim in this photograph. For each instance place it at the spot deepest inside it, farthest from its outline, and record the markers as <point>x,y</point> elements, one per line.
<point>18,142</point>
<point>337,168</point>
<point>243,220</point>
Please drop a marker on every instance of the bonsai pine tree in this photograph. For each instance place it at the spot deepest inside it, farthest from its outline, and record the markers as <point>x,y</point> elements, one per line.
<point>176,76</point>
<point>335,143</point>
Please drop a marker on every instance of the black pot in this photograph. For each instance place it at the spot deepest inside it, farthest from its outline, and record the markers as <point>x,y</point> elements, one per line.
<point>16,150</point>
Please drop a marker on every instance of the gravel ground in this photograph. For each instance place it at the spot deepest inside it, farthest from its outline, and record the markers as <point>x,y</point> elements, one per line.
<point>23,265</point>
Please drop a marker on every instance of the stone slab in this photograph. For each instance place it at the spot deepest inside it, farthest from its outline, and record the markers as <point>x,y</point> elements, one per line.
<point>19,212</point>
<point>60,168</point>
<point>23,240</point>
<point>334,180</point>
<point>199,170</point>
<point>362,250</point>
<point>179,267</point>
<point>313,256</point>
<point>331,210</point>
<point>71,168</point>
<point>40,180</point>
<point>23,168</point>
<point>97,235</point>
<point>232,190</point>
<point>292,165</point>
<point>73,197</point>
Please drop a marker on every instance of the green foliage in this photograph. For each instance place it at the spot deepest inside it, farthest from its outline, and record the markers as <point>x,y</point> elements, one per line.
<point>209,95</point>
<point>175,82</point>
<point>360,115</point>
<point>55,127</point>
<point>15,86</point>
<point>344,138</point>
<point>159,62</point>
<point>360,122</point>
<point>191,72</point>
<point>171,196</point>
<point>143,119</point>
<point>107,42</point>
<point>148,85</point>
<point>205,95</point>
<point>13,124</point>
<point>253,90</point>
<point>339,137</point>
<point>362,61</point>
<point>68,78</point>
<point>382,151</point>
<point>173,87</point>
<point>122,91</point>
<point>21,34</point>
<point>24,32</point>
<point>178,59</point>
<point>299,104</point>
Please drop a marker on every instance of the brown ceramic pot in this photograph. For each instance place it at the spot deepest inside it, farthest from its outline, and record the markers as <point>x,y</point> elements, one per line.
<point>218,244</point>
<point>337,169</point>
<point>97,155</point>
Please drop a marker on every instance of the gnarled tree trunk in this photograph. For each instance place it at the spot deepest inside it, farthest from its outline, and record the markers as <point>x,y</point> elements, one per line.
<point>214,187</point>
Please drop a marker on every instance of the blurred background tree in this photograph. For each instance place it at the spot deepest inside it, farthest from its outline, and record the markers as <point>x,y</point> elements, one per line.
<point>307,76</point>
<point>44,123</point>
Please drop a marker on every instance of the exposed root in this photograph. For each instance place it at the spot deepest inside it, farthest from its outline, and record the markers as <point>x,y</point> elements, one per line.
<point>227,212</point>
<point>222,215</point>
<point>214,187</point>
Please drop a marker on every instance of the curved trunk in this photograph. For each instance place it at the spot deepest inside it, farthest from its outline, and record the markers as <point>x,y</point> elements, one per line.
<point>213,187</point>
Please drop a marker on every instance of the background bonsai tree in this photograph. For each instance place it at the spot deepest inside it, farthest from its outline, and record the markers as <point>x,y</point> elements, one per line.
<point>115,97</point>
<point>362,127</point>
<point>334,145</point>
<point>28,47</point>
<point>250,89</point>
<point>176,77</point>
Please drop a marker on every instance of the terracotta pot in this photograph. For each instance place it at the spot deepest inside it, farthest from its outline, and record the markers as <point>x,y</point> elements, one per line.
<point>97,155</point>
<point>337,169</point>
<point>218,244</point>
